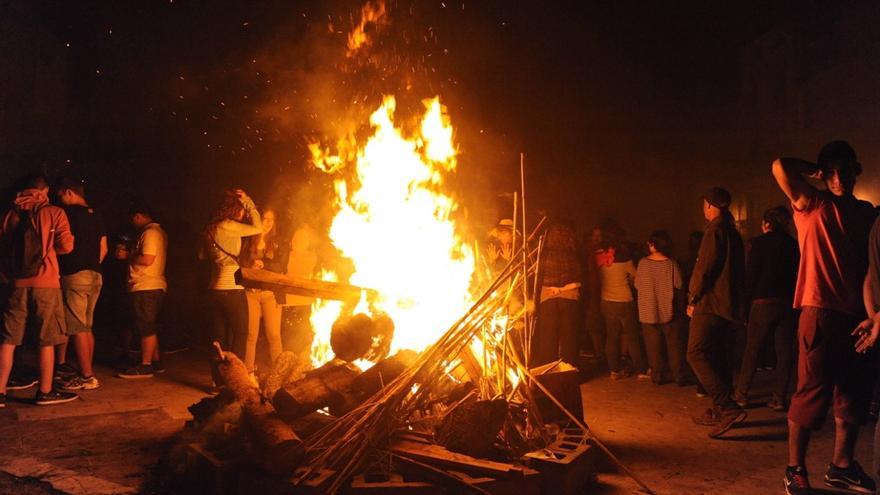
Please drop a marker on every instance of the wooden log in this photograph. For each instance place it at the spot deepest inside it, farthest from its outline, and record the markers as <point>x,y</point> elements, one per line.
<point>264,279</point>
<point>327,386</point>
<point>441,457</point>
<point>472,427</point>
<point>383,373</point>
<point>279,449</point>
<point>287,368</point>
<point>230,372</point>
<point>362,337</point>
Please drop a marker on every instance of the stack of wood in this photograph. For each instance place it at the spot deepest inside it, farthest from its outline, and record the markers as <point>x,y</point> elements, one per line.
<point>335,426</point>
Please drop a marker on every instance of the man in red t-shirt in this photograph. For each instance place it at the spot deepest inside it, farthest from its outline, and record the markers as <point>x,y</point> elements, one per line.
<point>833,229</point>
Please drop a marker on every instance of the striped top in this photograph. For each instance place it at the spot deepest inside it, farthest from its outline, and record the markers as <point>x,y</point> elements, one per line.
<point>225,247</point>
<point>656,281</point>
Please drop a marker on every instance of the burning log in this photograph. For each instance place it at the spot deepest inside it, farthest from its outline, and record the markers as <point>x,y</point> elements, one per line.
<point>383,373</point>
<point>472,427</point>
<point>327,386</point>
<point>264,279</point>
<point>359,336</point>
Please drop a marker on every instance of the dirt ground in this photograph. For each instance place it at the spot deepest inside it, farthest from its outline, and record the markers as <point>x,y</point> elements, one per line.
<point>112,440</point>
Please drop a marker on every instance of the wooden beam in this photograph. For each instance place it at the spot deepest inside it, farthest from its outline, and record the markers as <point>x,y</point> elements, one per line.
<point>264,279</point>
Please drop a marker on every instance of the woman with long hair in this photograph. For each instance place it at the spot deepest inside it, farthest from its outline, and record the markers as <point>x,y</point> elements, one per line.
<point>263,251</point>
<point>236,217</point>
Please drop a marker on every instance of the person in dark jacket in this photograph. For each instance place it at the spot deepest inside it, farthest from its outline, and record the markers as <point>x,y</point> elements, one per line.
<point>716,300</point>
<point>556,333</point>
<point>771,272</point>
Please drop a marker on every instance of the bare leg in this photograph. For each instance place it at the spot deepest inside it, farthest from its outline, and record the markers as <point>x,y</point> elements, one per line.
<point>83,344</point>
<point>61,353</point>
<point>845,436</point>
<point>149,349</point>
<point>798,441</point>
<point>7,352</point>
<point>47,367</point>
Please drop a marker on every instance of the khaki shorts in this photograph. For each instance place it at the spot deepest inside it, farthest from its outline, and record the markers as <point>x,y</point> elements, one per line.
<point>81,291</point>
<point>36,309</point>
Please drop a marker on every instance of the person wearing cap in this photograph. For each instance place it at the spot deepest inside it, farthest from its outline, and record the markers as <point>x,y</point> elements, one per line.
<point>833,227</point>
<point>716,301</point>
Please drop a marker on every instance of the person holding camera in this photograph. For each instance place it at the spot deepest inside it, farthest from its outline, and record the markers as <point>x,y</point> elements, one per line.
<point>146,288</point>
<point>236,217</point>
<point>833,227</point>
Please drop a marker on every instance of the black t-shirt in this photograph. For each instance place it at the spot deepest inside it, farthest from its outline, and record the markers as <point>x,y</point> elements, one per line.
<point>87,226</point>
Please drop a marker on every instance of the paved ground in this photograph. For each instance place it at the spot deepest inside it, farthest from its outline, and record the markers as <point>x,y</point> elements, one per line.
<point>112,440</point>
<point>650,428</point>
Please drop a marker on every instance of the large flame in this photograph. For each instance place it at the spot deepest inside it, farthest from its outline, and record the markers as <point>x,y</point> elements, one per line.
<point>395,224</point>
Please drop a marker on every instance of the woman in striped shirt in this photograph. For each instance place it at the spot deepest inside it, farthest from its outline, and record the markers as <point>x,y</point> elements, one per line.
<point>658,279</point>
<point>236,217</point>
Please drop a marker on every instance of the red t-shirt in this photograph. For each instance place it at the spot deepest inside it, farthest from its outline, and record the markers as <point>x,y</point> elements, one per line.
<point>832,234</point>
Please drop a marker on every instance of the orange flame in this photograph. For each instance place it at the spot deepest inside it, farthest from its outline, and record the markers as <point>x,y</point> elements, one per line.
<point>371,13</point>
<point>396,226</point>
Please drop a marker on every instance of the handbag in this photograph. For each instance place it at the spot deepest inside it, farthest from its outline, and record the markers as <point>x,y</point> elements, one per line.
<point>237,275</point>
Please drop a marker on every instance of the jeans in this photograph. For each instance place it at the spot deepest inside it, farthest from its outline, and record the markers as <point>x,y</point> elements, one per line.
<point>778,318</point>
<point>262,305</point>
<point>621,322</point>
<point>708,357</point>
<point>670,333</point>
<point>230,310</point>
<point>556,333</point>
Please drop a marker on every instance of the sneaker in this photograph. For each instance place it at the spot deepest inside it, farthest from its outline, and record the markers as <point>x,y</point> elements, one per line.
<point>138,372</point>
<point>777,404</point>
<point>710,417</point>
<point>81,383</point>
<point>644,376</point>
<point>54,397</point>
<point>741,399</point>
<point>19,383</point>
<point>796,481</point>
<point>729,418</point>
<point>619,375</point>
<point>852,478</point>
<point>65,370</point>
<point>158,367</point>
<point>2,401</point>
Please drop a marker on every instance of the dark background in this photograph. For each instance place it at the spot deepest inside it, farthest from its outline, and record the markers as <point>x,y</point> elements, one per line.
<point>623,109</point>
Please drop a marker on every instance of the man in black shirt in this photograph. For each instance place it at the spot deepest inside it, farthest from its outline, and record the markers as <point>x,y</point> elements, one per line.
<point>81,283</point>
<point>771,272</point>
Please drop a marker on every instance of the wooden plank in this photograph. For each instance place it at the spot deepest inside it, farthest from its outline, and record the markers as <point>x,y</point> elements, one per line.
<point>438,456</point>
<point>264,279</point>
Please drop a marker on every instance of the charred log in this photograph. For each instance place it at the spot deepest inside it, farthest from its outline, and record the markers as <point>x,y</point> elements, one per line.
<point>327,386</point>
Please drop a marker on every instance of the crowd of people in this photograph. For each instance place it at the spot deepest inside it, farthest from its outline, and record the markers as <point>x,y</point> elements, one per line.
<point>808,289</point>
<point>804,295</point>
<point>56,258</point>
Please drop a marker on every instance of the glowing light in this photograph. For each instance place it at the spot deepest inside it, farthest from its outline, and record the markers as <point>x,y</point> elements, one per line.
<point>395,224</point>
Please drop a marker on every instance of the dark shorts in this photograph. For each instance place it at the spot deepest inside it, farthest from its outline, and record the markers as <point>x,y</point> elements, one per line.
<point>39,310</point>
<point>830,371</point>
<point>145,308</point>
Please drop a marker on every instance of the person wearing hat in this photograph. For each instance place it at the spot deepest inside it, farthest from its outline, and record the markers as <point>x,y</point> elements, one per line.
<point>833,228</point>
<point>716,301</point>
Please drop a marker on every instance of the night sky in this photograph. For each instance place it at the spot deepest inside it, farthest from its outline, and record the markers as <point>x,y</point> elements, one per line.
<point>621,108</point>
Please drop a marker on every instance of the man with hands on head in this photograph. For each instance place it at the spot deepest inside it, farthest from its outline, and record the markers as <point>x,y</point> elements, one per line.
<point>833,229</point>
